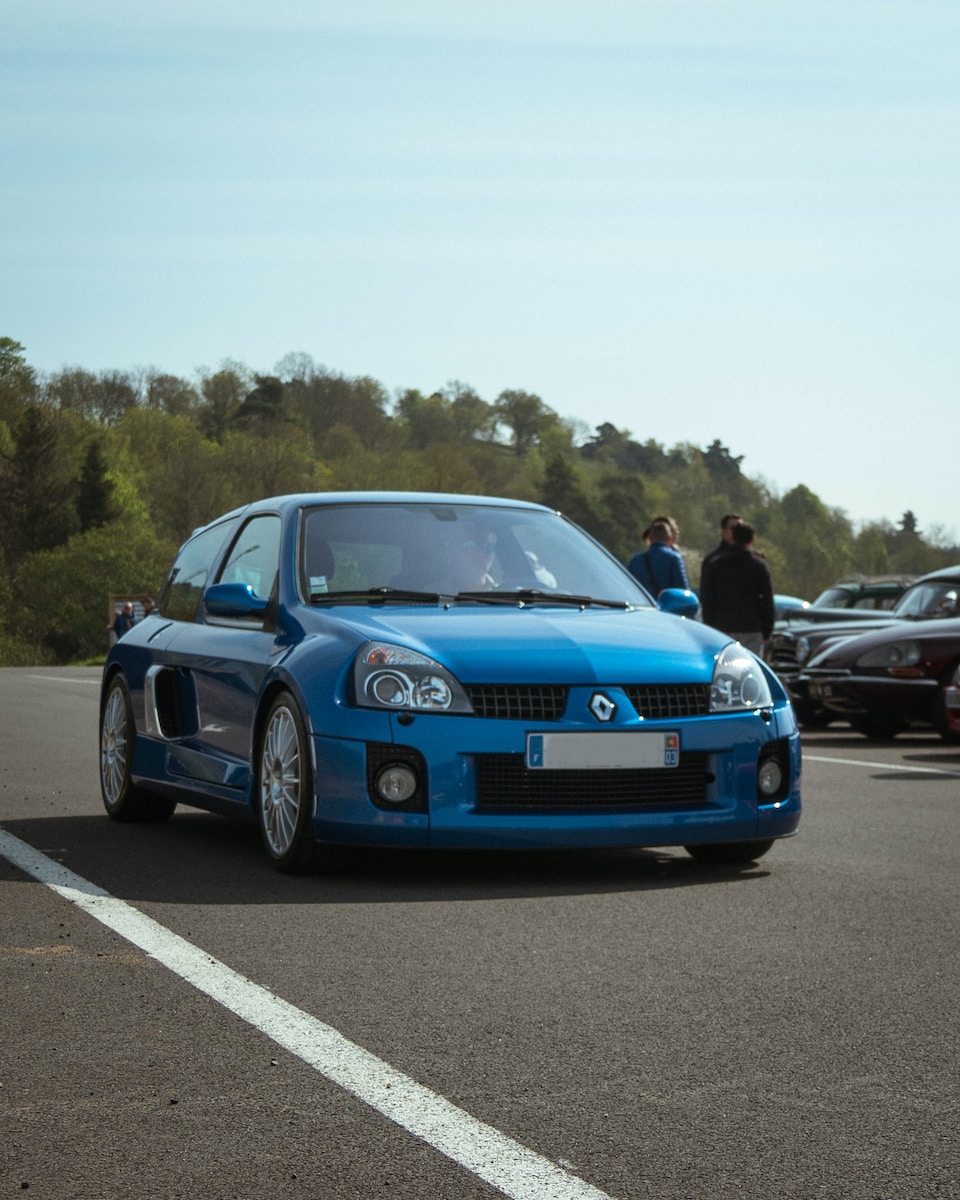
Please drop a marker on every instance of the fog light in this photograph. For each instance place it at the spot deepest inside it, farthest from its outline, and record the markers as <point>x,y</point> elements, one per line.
<point>396,783</point>
<point>769,777</point>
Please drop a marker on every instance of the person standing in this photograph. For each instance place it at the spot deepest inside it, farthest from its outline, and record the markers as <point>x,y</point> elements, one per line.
<point>124,620</point>
<point>659,566</point>
<point>737,591</point>
<point>727,522</point>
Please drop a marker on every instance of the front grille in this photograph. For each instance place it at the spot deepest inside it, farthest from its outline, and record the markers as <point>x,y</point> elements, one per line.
<point>548,702</point>
<point>666,701</point>
<point>504,784</point>
<point>518,702</point>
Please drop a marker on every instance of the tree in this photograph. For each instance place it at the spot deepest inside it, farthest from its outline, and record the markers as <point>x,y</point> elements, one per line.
<point>223,393</point>
<point>525,415</point>
<point>62,593</point>
<point>36,484</point>
<point>263,407</point>
<point>170,394</point>
<point>177,473</point>
<point>360,404</point>
<point>428,419</point>
<point>94,490</point>
<point>723,467</point>
<point>563,490</point>
<point>473,418</point>
<point>18,383</point>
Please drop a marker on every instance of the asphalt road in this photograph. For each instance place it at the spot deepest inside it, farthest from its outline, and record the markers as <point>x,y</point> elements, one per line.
<point>640,1025</point>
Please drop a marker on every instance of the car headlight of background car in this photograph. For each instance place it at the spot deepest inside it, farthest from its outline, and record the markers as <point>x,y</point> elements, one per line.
<point>897,658</point>
<point>394,677</point>
<point>738,682</point>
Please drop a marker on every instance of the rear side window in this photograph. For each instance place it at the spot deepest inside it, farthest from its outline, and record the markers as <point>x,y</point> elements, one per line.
<point>181,593</point>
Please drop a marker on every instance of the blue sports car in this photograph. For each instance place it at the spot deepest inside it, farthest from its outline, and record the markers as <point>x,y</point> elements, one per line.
<point>418,670</point>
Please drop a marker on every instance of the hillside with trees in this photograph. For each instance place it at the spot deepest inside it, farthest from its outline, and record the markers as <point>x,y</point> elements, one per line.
<point>103,475</point>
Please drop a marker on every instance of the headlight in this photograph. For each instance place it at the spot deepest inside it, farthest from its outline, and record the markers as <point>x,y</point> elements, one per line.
<point>803,649</point>
<point>738,682</point>
<point>393,677</point>
<point>896,654</point>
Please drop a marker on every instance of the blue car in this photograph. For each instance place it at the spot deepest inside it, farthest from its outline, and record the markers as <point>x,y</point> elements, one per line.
<point>419,670</point>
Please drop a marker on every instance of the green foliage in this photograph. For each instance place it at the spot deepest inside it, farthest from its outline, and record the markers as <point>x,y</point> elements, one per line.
<point>103,476</point>
<point>59,606</point>
<point>94,490</point>
<point>37,482</point>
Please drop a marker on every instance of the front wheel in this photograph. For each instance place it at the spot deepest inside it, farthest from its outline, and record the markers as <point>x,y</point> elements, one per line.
<point>285,789</point>
<point>123,800</point>
<point>730,852</point>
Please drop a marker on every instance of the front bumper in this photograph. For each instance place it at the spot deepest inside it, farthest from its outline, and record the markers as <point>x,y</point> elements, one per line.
<point>458,811</point>
<point>854,695</point>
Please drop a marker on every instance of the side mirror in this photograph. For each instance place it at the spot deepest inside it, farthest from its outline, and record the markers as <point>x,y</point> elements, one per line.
<point>237,600</point>
<point>680,602</point>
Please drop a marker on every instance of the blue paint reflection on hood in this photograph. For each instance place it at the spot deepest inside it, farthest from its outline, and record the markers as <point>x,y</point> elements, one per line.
<point>549,644</point>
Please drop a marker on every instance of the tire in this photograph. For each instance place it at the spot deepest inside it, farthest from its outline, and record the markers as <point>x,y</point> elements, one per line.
<point>123,800</point>
<point>730,852</point>
<point>878,729</point>
<point>285,789</point>
<point>816,718</point>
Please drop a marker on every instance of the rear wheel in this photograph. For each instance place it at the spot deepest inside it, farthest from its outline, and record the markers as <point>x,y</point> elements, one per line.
<point>730,852</point>
<point>123,800</point>
<point>285,789</point>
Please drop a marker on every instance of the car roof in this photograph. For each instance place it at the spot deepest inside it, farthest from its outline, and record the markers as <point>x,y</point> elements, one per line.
<point>951,573</point>
<point>296,500</point>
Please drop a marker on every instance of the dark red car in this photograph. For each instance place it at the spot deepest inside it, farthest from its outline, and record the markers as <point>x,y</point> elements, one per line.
<point>887,679</point>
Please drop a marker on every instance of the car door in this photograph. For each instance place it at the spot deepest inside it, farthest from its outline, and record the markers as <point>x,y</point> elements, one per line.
<point>224,662</point>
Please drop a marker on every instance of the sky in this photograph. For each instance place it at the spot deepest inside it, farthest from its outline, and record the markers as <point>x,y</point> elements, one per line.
<point>693,219</point>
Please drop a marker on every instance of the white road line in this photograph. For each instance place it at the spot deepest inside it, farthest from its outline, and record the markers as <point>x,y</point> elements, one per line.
<point>66,679</point>
<point>492,1156</point>
<point>859,762</point>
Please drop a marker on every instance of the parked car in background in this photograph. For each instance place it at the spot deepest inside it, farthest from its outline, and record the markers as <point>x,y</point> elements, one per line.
<point>888,679</point>
<point>418,670</point>
<point>852,598</point>
<point>791,645</point>
<point>864,591</point>
<point>784,605</point>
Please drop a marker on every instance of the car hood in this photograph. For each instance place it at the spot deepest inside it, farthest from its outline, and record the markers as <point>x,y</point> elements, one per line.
<point>791,617</point>
<point>845,652</point>
<point>550,644</point>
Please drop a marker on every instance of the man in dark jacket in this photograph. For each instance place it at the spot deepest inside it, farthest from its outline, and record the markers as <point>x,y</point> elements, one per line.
<point>727,522</point>
<point>737,594</point>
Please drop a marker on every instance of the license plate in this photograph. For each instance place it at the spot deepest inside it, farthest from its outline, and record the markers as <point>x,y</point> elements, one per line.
<point>602,751</point>
<point>819,690</point>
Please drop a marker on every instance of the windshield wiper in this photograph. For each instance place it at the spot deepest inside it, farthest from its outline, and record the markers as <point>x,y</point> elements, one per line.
<point>376,595</point>
<point>536,596</point>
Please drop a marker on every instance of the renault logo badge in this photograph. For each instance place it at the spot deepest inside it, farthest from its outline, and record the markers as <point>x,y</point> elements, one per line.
<point>602,707</point>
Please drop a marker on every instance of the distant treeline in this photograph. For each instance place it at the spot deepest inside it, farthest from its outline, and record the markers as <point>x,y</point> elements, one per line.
<point>103,475</point>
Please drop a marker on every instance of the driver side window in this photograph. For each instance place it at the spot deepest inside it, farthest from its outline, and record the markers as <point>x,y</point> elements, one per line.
<point>254,558</point>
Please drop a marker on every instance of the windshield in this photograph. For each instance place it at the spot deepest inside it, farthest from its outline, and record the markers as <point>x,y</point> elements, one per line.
<point>833,597</point>
<point>935,598</point>
<point>428,550</point>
